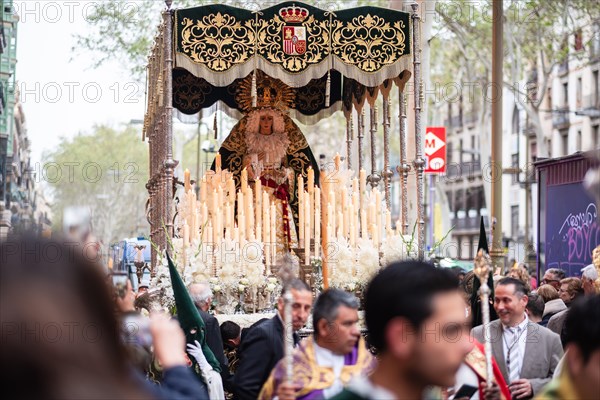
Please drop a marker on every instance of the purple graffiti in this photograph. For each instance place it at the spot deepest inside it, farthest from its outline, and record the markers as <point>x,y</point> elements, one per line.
<point>581,233</point>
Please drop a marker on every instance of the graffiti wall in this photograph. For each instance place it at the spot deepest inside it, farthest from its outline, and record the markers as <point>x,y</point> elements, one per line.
<point>572,229</point>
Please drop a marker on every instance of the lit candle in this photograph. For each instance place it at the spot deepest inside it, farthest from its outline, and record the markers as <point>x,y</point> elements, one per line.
<point>240,208</point>
<point>210,235</point>
<point>375,237</point>
<point>218,162</point>
<point>203,190</point>
<point>337,161</point>
<point>231,190</point>
<point>301,216</point>
<point>227,216</point>
<point>388,222</point>
<point>258,195</point>
<point>363,186</point>
<point>244,180</point>
<point>330,217</point>
<point>273,233</point>
<point>363,224</point>
<point>186,180</point>
<point>355,188</point>
<point>242,226</point>
<point>307,229</point>
<point>214,203</point>
<point>317,227</point>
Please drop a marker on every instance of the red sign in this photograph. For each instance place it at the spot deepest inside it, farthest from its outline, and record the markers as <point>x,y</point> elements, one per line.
<point>435,150</point>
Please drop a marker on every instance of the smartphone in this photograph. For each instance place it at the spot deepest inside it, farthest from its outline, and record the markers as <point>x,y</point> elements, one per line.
<point>120,283</point>
<point>466,391</point>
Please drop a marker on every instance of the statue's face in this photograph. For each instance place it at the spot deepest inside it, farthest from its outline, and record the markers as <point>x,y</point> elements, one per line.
<point>266,124</point>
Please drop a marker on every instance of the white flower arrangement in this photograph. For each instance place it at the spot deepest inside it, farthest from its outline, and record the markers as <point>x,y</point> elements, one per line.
<point>393,249</point>
<point>367,261</point>
<point>253,265</point>
<point>343,268</point>
<point>162,280</point>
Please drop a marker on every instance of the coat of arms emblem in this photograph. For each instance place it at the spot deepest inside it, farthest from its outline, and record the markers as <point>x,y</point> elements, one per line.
<point>294,37</point>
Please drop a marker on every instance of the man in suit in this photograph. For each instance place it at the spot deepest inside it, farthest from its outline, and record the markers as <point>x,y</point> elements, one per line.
<point>262,346</point>
<point>527,353</point>
<point>202,297</point>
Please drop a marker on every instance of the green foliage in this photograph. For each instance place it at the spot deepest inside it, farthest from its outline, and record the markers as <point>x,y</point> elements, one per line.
<point>106,170</point>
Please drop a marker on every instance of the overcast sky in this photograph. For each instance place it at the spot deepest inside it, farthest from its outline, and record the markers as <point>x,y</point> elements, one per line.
<point>61,97</point>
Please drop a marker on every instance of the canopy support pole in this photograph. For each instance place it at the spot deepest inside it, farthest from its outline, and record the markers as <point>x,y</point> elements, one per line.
<point>418,162</point>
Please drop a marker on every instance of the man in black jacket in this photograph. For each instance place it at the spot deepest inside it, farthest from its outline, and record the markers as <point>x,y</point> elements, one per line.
<point>262,346</point>
<point>202,296</point>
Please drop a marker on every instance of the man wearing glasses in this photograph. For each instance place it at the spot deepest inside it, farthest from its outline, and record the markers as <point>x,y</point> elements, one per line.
<point>552,277</point>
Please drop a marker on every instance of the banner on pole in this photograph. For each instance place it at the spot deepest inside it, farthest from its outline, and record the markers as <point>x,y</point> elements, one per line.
<point>435,150</point>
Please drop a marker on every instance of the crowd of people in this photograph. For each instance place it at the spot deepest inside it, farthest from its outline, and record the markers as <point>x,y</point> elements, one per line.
<point>69,332</point>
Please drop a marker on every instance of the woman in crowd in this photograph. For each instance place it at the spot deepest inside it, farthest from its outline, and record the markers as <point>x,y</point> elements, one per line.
<point>60,336</point>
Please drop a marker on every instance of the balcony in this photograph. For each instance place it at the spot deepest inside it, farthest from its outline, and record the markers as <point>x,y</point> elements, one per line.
<point>560,118</point>
<point>467,223</point>
<point>591,102</point>
<point>563,68</point>
<point>472,118</point>
<point>469,170</point>
<point>453,122</point>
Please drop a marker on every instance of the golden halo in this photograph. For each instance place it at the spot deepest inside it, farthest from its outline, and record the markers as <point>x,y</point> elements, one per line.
<point>270,92</point>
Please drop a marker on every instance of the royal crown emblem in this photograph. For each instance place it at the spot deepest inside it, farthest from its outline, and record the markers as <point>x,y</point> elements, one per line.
<point>293,14</point>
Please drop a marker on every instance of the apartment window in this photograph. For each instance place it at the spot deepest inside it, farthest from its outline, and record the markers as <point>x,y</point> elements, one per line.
<point>460,149</point>
<point>450,197</point>
<point>472,147</point>
<point>564,137</point>
<point>514,162</point>
<point>595,89</point>
<point>595,43</point>
<point>533,150</point>
<point>578,92</point>
<point>449,148</point>
<point>565,88</point>
<point>514,221</point>
<point>579,144</point>
<point>579,40</point>
<point>549,144</point>
<point>596,134</point>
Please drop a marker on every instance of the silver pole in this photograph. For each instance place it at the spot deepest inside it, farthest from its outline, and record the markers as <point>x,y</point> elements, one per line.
<point>387,172</point>
<point>170,164</point>
<point>418,162</point>
<point>404,167</point>
<point>349,134</point>
<point>374,178</point>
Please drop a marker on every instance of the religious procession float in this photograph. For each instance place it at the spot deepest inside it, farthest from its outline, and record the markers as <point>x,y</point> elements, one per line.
<point>266,202</point>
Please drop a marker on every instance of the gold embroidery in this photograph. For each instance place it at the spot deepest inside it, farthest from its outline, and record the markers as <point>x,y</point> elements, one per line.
<point>190,92</point>
<point>218,41</point>
<point>369,42</point>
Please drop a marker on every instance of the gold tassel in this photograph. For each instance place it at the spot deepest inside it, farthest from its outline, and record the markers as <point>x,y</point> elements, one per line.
<point>328,89</point>
<point>253,93</point>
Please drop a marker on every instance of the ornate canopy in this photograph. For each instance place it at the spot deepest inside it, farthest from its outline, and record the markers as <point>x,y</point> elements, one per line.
<point>313,51</point>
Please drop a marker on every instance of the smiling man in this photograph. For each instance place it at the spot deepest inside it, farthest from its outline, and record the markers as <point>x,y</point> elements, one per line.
<point>527,353</point>
<point>324,364</point>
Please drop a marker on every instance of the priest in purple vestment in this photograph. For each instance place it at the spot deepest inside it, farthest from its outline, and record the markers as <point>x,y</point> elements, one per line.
<point>325,363</point>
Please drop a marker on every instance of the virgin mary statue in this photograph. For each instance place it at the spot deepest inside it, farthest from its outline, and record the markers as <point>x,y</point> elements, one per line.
<point>273,149</point>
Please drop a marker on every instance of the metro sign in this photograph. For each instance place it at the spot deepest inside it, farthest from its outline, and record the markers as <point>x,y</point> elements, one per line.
<point>435,150</point>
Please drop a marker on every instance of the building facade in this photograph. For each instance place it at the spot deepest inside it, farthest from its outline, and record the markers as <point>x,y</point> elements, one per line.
<point>18,194</point>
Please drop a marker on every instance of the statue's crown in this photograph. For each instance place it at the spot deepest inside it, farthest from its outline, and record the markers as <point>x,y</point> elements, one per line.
<point>293,14</point>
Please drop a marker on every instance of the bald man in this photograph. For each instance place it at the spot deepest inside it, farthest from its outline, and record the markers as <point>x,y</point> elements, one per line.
<point>203,296</point>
